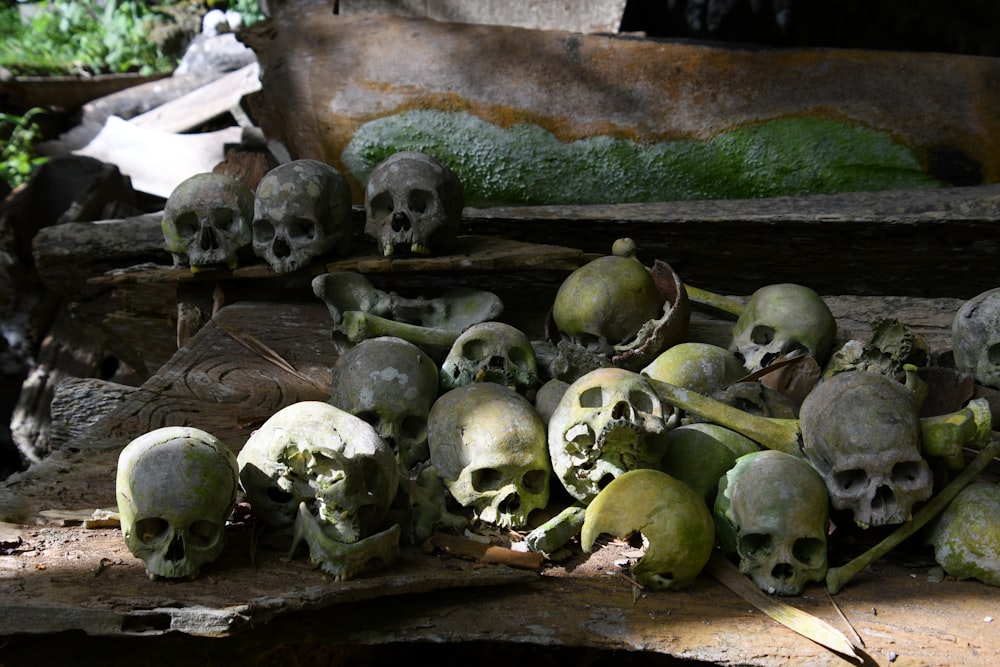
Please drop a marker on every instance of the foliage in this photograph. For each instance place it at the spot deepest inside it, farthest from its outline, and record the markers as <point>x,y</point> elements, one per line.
<point>17,155</point>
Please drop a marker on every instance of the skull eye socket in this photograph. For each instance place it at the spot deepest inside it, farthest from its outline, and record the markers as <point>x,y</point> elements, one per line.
<point>420,201</point>
<point>225,220</point>
<point>187,225</point>
<point>908,473</point>
<point>993,354</point>
<point>641,401</point>
<point>152,529</point>
<point>762,335</point>
<point>202,533</point>
<point>263,231</point>
<point>592,397</point>
<point>414,428</point>
<point>519,356</point>
<point>849,480</point>
<point>534,481</point>
<point>381,205</point>
<point>302,229</point>
<point>756,546</point>
<point>809,551</point>
<point>473,350</point>
<point>486,479</point>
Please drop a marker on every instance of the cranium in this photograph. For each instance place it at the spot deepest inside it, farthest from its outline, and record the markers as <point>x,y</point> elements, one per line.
<point>488,445</point>
<point>676,527</point>
<point>975,336</point>
<point>779,319</point>
<point>302,211</point>
<point>966,535</point>
<point>413,204</point>
<point>206,221</point>
<point>492,352</point>
<point>861,431</point>
<point>607,422</point>
<point>391,384</point>
<point>771,511</point>
<point>700,367</point>
<point>175,488</point>
<point>326,475</point>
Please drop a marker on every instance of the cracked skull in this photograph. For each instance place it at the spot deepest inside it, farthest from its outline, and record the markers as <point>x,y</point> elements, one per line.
<point>491,352</point>
<point>488,445</point>
<point>302,210</point>
<point>175,488</point>
<point>975,338</point>
<point>607,422</point>
<point>779,319</point>
<point>391,384</point>
<point>861,431</point>
<point>771,510</point>
<point>413,204</point>
<point>327,476</point>
<point>206,221</point>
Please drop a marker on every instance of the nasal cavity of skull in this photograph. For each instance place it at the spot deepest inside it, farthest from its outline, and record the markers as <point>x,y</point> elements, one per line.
<point>175,551</point>
<point>884,497</point>
<point>782,571</point>
<point>208,240</point>
<point>400,222</point>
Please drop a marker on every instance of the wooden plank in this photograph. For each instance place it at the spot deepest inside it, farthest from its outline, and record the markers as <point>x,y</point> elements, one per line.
<point>65,577</point>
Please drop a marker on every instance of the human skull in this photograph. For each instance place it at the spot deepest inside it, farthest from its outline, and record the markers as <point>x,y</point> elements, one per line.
<point>861,431</point>
<point>327,475</point>
<point>488,445</point>
<point>391,384</point>
<point>607,422</point>
<point>206,221</point>
<point>975,336</point>
<point>700,367</point>
<point>302,211</point>
<point>491,352</point>
<point>779,319</point>
<point>966,535</point>
<point>175,488</point>
<point>413,204</point>
<point>772,510</point>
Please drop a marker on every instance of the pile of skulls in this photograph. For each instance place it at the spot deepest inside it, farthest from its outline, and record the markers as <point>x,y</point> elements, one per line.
<point>301,211</point>
<point>443,417</point>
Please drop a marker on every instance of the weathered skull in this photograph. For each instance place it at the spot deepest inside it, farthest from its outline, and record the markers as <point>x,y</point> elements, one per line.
<point>302,211</point>
<point>488,445</point>
<point>175,488</point>
<point>676,526</point>
<point>966,535</point>
<point>975,336</point>
<point>779,319</point>
<point>772,510</point>
<point>413,204</point>
<point>861,431</point>
<point>327,475</point>
<point>491,352</point>
<point>206,221</point>
<point>391,384</point>
<point>607,422</point>
<point>700,367</point>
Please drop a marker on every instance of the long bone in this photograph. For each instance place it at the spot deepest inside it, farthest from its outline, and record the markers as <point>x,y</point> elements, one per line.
<point>941,436</point>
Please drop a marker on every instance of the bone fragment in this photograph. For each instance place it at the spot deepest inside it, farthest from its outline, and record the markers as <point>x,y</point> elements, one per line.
<point>486,553</point>
<point>359,325</point>
<point>946,435</point>
<point>557,531</point>
<point>712,300</point>
<point>837,577</point>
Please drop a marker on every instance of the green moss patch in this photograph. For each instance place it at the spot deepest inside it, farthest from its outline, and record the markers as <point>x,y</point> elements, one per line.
<point>527,165</point>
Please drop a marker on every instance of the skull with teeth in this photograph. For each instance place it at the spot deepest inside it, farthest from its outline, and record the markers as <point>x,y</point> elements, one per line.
<point>771,510</point>
<point>302,211</point>
<point>861,431</point>
<point>413,204</point>
<point>487,443</point>
<point>607,422</point>
<point>328,477</point>
<point>175,488</point>
<point>206,221</point>
<point>491,352</point>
